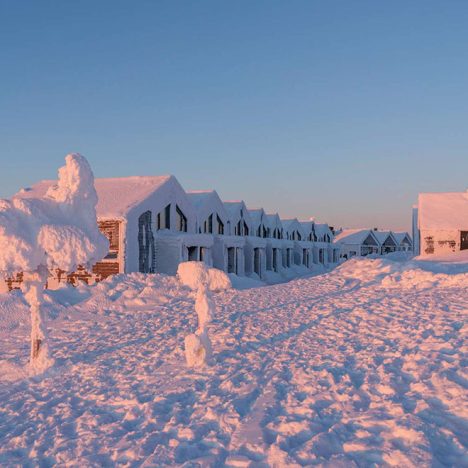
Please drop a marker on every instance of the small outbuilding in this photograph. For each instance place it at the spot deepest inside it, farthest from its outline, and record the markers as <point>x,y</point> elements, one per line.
<point>357,243</point>
<point>387,241</point>
<point>405,243</point>
<point>442,222</point>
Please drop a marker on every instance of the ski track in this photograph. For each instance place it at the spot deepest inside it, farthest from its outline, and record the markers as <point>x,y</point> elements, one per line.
<point>329,370</point>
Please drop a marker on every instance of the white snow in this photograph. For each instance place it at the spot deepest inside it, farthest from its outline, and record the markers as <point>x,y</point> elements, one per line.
<point>362,366</point>
<point>55,231</point>
<point>443,211</point>
<point>197,274</point>
<point>58,228</point>
<point>117,196</point>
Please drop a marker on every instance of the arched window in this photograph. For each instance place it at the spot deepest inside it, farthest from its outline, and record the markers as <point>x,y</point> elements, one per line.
<point>164,218</point>
<point>220,225</point>
<point>181,220</point>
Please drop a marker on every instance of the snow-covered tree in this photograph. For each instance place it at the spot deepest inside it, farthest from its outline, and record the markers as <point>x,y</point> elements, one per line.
<point>57,231</point>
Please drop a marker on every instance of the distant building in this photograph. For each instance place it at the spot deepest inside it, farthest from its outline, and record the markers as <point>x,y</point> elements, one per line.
<point>387,241</point>
<point>442,222</point>
<point>405,243</point>
<point>357,243</point>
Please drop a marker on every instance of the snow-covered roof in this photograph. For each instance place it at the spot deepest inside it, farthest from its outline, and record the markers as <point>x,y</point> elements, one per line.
<point>447,210</point>
<point>274,220</point>
<point>234,208</point>
<point>116,196</point>
<point>257,215</point>
<point>308,226</point>
<point>321,229</point>
<point>206,202</point>
<point>400,237</point>
<point>353,236</point>
<point>291,225</point>
<point>382,236</point>
<point>199,198</point>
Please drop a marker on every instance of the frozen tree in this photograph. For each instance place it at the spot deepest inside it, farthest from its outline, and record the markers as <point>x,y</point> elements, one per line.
<point>57,231</point>
<point>198,349</point>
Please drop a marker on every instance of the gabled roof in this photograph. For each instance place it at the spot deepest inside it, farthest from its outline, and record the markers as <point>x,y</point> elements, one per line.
<point>308,226</point>
<point>257,216</point>
<point>382,237</point>
<point>400,237</point>
<point>199,198</point>
<point>206,202</point>
<point>447,210</point>
<point>233,209</point>
<point>321,229</point>
<point>274,221</point>
<point>291,225</point>
<point>354,236</point>
<point>116,196</point>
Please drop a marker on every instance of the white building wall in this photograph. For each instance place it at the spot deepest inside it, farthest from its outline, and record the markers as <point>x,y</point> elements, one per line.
<point>439,242</point>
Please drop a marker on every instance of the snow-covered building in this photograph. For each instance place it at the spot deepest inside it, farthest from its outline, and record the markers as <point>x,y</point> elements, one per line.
<point>357,243</point>
<point>326,251</point>
<point>240,224</point>
<point>149,222</point>
<point>302,249</point>
<point>213,219</point>
<point>442,222</point>
<point>279,250</point>
<point>405,243</point>
<point>387,241</point>
<point>261,228</point>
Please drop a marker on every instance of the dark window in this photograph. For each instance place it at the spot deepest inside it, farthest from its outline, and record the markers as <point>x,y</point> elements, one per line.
<point>246,229</point>
<point>464,240</point>
<point>164,219</point>
<point>210,224</point>
<point>238,229</point>
<point>181,220</point>
<point>220,225</point>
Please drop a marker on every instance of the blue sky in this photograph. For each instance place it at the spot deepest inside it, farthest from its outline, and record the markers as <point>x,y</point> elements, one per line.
<point>342,110</point>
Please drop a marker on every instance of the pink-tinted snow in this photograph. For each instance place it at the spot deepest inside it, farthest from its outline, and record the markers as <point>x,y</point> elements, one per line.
<point>363,366</point>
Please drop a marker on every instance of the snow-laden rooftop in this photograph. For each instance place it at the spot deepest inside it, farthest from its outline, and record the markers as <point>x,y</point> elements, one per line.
<point>400,236</point>
<point>382,235</point>
<point>200,197</point>
<point>352,236</point>
<point>321,229</point>
<point>116,196</point>
<point>447,210</point>
<point>256,215</point>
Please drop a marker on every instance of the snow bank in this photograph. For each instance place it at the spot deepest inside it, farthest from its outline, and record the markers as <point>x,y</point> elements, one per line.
<point>196,274</point>
<point>395,272</point>
<point>58,230</point>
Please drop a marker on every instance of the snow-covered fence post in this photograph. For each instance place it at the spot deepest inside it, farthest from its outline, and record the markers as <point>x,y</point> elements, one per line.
<point>198,349</point>
<point>55,231</point>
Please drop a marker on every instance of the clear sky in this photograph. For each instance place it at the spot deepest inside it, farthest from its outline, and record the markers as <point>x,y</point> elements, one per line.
<point>342,110</point>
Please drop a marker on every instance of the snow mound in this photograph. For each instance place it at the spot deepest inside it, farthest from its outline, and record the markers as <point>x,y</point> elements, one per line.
<point>196,274</point>
<point>394,272</point>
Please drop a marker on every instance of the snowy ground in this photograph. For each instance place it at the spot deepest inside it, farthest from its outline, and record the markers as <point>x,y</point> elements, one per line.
<point>363,366</point>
